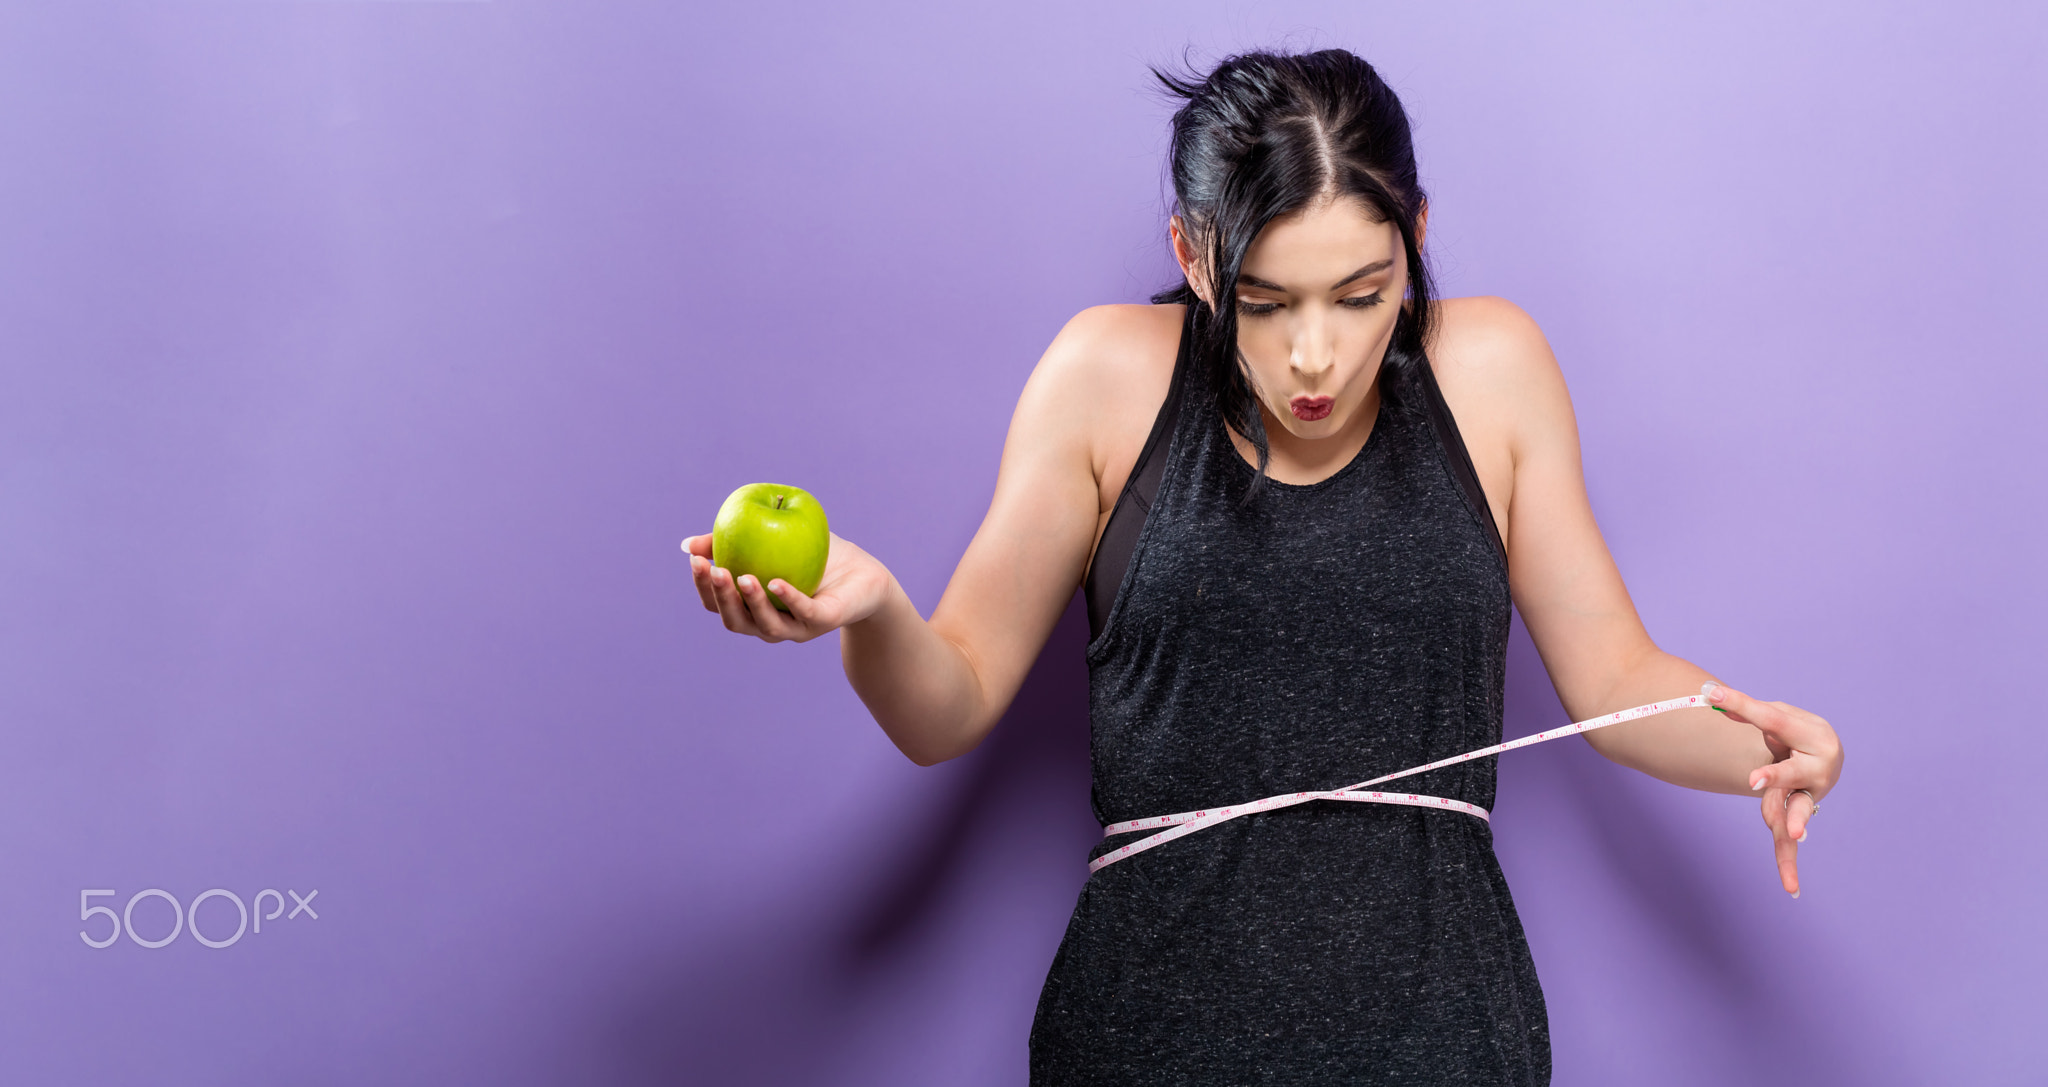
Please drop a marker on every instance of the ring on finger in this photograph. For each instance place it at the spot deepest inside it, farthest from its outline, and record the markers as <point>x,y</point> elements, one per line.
<point>1809,796</point>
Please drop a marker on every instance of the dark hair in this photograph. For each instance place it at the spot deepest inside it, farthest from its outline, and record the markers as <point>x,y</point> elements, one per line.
<point>1260,137</point>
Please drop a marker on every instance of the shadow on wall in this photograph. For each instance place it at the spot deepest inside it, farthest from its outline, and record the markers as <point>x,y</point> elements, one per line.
<point>1035,759</point>
<point>1606,870</point>
<point>776,1004</point>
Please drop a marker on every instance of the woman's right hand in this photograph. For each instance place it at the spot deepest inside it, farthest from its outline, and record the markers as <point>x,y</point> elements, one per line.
<point>854,587</point>
<point>937,686</point>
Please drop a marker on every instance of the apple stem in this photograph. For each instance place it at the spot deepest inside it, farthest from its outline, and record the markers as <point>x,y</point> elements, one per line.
<point>778,500</point>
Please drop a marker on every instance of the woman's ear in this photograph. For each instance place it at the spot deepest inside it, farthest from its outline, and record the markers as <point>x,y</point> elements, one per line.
<point>1421,225</point>
<point>1184,255</point>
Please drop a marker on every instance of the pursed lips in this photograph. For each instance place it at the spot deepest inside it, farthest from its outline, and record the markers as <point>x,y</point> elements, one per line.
<point>1311,408</point>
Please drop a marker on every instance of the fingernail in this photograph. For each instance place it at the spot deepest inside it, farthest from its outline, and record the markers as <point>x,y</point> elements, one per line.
<point>1795,894</point>
<point>1802,836</point>
<point>1756,783</point>
<point>775,587</point>
<point>1714,691</point>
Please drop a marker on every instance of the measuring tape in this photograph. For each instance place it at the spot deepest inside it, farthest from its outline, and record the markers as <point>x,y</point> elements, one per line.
<point>1188,822</point>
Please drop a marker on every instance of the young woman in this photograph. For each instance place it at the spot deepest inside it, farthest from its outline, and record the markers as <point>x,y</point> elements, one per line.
<point>1300,493</point>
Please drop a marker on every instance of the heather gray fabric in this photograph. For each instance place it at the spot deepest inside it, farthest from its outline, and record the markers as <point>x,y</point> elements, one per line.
<point>1322,635</point>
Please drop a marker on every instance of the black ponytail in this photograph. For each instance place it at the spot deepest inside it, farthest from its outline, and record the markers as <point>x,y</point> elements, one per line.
<point>1264,136</point>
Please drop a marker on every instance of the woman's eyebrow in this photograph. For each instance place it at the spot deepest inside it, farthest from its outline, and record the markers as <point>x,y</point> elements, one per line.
<point>1375,266</point>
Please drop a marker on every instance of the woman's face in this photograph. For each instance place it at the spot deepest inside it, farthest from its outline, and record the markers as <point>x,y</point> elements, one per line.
<point>1316,303</point>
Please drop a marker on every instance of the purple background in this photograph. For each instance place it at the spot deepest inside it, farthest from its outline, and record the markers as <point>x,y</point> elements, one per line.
<point>361,365</point>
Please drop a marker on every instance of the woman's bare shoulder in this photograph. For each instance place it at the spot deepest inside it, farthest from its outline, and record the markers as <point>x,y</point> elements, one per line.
<point>1488,338</point>
<point>1104,377</point>
<point>1110,360</point>
<point>1494,363</point>
<point>1504,388</point>
<point>1103,347</point>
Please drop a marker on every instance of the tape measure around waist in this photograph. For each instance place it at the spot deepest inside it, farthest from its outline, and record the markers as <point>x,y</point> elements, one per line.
<point>1188,822</point>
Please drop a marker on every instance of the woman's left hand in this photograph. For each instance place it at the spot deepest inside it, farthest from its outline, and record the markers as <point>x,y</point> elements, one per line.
<point>1806,763</point>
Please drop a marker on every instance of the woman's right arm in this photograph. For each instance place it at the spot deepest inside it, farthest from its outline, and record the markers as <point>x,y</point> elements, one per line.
<point>938,687</point>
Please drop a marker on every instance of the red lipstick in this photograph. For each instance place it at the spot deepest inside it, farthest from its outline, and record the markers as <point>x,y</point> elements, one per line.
<point>1308,409</point>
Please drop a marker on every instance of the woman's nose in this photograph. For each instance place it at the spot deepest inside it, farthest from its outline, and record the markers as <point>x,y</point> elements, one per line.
<point>1313,352</point>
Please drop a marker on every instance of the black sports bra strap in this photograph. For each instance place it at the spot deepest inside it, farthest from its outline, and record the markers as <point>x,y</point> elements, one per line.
<point>1127,517</point>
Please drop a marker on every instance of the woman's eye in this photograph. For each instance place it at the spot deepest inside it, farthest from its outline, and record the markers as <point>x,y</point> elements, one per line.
<point>1256,309</point>
<point>1366,301</point>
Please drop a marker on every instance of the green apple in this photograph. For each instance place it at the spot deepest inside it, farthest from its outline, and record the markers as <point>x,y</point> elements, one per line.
<point>772,531</point>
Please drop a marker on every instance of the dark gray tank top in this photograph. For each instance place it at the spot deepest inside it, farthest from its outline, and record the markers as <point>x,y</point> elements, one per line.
<point>1119,537</point>
<point>1319,635</point>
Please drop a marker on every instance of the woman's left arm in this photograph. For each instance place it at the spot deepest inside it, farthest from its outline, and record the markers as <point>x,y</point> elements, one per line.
<point>1501,370</point>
